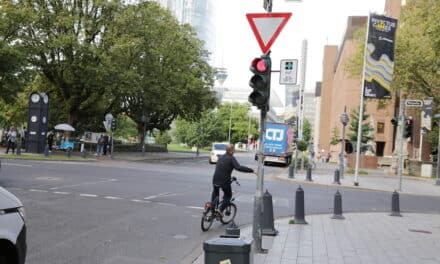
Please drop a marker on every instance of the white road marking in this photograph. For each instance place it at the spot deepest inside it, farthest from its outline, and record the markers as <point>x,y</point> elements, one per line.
<point>167,204</point>
<point>36,190</point>
<point>65,193</point>
<point>87,195</point>
<point>165,194</point>
<point>84,183</point>
<point>139,201</point>
<point>195,207</point>
<point>17,165</point>
<point>113,198</point>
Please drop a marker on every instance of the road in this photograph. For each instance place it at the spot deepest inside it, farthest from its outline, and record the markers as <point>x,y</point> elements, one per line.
<point>149,212</point>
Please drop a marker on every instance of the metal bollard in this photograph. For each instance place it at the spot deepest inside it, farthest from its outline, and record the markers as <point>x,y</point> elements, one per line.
<point>337,206</point>
<point>395,207</point>
<point>309,174</point>
<point>18,149</point>
<point>268,227</point>
<point>46,151</point>
<point>299,207</point>
<point>336,179</point>
<point>292,171</point>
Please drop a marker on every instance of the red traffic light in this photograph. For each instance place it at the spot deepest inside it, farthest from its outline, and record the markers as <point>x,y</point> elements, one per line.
<point>259,65</point>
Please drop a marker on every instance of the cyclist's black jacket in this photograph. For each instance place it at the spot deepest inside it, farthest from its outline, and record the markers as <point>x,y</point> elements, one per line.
<point>223,170</point>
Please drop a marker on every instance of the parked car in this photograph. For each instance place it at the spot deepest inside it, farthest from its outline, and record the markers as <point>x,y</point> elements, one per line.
<point>12,229</point>
<point>217,150</point>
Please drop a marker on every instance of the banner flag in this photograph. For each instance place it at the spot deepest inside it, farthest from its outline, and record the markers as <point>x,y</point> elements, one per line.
<point>427,114</point>
<point>379,57</point>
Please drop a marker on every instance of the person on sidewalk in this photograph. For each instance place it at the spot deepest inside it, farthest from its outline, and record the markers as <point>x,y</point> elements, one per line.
<point>12,136</point>
<point>50,140</point>
<point>222,176</point>
<point>105,146</point>
<point>100,146</point>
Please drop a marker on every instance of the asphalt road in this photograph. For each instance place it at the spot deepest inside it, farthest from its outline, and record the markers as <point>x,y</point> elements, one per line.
<point>149,212</point>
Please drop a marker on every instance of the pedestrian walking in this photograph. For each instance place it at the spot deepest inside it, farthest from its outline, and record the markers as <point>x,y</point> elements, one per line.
<point>100,146</point>
<point>105,146</point>
<point>12,136</point>
<point>50,140</point>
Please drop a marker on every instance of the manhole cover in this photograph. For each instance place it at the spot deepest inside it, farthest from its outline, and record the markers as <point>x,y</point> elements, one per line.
<point>419,231</point>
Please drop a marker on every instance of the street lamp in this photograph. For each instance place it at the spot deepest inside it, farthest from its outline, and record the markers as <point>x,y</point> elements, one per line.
<point>230,124</point>
<point>144,120</point>
<point>344,121</point>
<point>437,182</point>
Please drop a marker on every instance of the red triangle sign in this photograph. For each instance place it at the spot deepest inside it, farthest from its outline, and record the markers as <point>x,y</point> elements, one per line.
<point>267,27</point>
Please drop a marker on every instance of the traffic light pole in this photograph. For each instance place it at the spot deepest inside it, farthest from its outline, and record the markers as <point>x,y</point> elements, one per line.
<point>400,153</point>
<point>258,200</point>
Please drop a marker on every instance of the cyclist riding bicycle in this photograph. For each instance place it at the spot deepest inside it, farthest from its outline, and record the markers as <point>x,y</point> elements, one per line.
<point>222,176</point>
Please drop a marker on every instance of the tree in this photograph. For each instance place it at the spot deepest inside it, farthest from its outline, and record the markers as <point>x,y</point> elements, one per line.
<point>417,68</point>
<point>237,115</point>
<point>354,125</point>
<point>160,67</point>
<point>335,136</point>
<point>307,130</point>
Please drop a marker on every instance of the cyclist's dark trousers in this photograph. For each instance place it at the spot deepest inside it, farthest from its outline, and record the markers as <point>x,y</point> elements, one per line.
<point>227,194</point>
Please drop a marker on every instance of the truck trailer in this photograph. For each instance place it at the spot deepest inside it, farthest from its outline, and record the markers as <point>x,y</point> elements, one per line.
<point>278,144</point>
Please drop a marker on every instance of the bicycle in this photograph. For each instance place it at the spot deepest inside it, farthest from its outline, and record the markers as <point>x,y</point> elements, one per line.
<point>211,212</point>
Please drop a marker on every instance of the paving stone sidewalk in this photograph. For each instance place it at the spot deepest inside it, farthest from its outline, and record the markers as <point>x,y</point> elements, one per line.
<point>362,238</point>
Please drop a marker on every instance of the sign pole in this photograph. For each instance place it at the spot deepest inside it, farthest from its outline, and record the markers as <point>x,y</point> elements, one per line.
<point>401,123</point>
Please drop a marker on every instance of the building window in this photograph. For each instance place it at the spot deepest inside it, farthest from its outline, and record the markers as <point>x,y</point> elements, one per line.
<point>380,128</point>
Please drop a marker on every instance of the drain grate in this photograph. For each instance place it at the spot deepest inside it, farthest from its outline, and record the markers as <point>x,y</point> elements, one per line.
<point>419,231</point>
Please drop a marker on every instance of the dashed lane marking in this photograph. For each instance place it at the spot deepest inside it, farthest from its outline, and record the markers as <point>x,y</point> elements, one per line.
<point>64,193</point>
<point>87,195</point>
<point>113,198</point>
<point>38,190</point>
<point>84,183</point>
<point>195,207</point>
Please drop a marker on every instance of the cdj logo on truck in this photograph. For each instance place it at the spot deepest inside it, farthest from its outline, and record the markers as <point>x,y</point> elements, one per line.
<point>275,134</point>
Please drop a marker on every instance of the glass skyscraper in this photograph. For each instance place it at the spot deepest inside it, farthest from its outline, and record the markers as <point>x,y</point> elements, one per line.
<point>198,13</point>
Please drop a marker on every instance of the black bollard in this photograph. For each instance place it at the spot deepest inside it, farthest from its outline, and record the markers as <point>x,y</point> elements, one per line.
<point>336,179</point>
<point>395,207</point>
<point>337,206</point>
<point>18,149</point>
<point>46,151</point>
<point>309,174</point>
<point>268,228</point>
<point>292,171</point>
<point>299,207</point>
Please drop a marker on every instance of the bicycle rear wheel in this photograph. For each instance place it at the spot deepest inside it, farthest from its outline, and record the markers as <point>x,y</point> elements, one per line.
<point>228,213</point>
<point>207,219</point>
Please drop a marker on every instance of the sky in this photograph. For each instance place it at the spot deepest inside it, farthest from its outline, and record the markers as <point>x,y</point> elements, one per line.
<point>320,22</point>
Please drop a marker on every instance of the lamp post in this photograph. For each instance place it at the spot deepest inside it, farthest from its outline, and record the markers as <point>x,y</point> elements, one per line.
<point>344,121</point>
<point>144,120</point>
<point>230,124</point>
<point>437,182</point>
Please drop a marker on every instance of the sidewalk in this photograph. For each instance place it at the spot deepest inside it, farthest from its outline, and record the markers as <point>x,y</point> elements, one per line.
<point>365,238</point>
<point>375,180</point>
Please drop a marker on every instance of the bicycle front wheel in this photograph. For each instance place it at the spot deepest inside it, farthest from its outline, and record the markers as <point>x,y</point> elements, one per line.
<point>228,214</point>
<point>207,219</point>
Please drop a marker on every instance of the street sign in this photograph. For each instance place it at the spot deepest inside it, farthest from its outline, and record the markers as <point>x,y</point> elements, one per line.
<point>267,27</point>
<point>288,71</point>
<point>414,103</point>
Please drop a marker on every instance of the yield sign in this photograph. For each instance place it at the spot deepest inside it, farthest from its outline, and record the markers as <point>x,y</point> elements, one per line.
<point>267,27</point>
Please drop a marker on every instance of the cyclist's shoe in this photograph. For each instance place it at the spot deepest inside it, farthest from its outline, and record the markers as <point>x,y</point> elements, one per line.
<point>219,213</point>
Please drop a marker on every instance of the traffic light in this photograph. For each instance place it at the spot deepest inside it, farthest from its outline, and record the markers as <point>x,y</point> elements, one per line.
<point>260,82</point>
<point>114,124</point>
<point>408,128</point>
<point>394,121</point>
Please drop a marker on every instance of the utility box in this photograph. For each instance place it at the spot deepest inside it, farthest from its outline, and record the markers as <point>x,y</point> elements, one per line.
<point>224,250</point>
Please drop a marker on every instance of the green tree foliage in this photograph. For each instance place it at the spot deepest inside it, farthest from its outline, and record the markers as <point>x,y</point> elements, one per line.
<point>214,126</point>
<point>160,67</point>
<point>307,130</point>
<point>417,68</point>
<point>100,56</point>
<point>354,125</point>
<point>238,114</point>
<point>334,140</point>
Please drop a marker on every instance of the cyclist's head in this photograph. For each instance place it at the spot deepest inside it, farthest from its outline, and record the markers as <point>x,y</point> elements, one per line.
<point>230,149</point>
